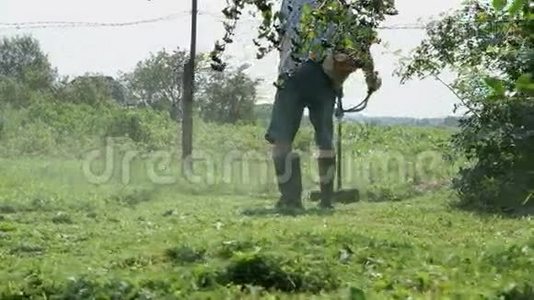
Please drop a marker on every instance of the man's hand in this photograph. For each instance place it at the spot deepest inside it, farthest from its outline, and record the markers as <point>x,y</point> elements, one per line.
<point>374,82</point>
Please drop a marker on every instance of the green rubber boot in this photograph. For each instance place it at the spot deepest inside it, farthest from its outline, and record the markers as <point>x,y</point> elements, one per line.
<point>289,178</point>
<point>327,169</point>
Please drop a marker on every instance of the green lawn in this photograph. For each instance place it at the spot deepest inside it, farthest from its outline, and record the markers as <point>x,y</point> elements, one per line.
<point>63,238</point>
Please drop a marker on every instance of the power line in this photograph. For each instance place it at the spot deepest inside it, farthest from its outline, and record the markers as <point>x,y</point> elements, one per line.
<point>170,17</point>
<point>66,24</point>
<point>178,15</point>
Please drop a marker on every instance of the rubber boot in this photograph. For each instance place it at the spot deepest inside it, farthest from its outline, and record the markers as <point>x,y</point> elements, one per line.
<point>289,178</point>
<point>327,171</point>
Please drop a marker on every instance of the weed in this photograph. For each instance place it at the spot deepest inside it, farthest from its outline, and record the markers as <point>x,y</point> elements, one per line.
<point>62,218</point>
<point>185,254</point>
<point>273,273</point>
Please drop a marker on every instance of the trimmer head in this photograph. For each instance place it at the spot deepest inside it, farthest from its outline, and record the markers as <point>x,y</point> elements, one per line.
<point>345,196</point>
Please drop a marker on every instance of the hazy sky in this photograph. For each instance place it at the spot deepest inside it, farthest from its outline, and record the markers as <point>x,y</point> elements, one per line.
<point>107,50</point>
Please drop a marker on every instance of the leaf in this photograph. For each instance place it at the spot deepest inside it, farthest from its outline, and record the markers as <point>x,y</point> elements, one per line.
<point>348,43</point>
<point>525,83</point>
<point>306,9</point>
<point>499,4</point>
<point>356,294</point>
<point>516,6</point>
<point>496,85</point>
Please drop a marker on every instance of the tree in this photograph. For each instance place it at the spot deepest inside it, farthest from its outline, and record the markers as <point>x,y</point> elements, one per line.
<point>24,69</point>
<point>356,22</point>
<point>490,47</point>
<point>157,81</point>
<point>92,89</point>
<point>229,97</point>
<point>22,60</point>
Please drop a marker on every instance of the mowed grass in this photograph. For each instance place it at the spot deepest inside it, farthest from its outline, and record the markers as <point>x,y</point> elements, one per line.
<point>63,238</point>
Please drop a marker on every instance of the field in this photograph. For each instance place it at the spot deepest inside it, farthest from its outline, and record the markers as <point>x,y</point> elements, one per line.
<point>139,236</point>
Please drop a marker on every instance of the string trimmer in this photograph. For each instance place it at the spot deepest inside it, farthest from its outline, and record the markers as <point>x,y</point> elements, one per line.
<point>342,195</point>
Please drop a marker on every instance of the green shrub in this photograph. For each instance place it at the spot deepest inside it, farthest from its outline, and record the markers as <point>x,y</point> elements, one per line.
<point>90,90</point>
<point>37,139</point>
<point>48,127</point>
<point>500,142</point>
<point>147,127</point>
<point>14,93</point>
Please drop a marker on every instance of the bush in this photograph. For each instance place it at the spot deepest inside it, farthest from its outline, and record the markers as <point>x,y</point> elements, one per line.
<point>37,139</point>
<point>91,90</point>
<point>496,88</point>
<point>14,93</point>
<point>48,127</point>
<point>149,128</point>
<point>500,141</point>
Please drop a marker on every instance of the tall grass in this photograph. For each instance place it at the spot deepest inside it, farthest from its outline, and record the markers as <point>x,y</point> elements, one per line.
<point>142,145</point>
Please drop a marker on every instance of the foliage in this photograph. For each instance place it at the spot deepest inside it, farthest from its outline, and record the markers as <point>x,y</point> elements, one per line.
<point>490,48</point>
<point>273,273</point>
<point>22,59</point>
<point>59,128</point>
<point>355,23</point>
<point>153,130</point>
<point>24,71</point>
<point>26,77</point>
<point>14,93</point>
<point>158,80</point>
<point>94,90</point>
<point>229,97</point>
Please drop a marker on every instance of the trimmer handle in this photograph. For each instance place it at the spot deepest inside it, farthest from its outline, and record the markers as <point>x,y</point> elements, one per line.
<point>340,111</point>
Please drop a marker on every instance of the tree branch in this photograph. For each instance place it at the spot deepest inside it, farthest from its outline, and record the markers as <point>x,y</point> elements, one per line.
<point>464,102</point>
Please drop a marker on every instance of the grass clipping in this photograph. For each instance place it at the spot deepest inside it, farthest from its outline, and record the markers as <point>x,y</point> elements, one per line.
<point>276,273</point>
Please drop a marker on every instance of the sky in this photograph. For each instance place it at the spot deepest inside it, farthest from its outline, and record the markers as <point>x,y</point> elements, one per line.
<point>110,50</point>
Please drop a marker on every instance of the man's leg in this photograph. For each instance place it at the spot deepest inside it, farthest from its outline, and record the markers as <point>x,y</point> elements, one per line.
<point>321,107</point>
<point>289,178</point>
<point>285,122</point>
<point>326,157</point>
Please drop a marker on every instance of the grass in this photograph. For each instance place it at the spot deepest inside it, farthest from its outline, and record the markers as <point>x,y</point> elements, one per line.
<point>63,238</point>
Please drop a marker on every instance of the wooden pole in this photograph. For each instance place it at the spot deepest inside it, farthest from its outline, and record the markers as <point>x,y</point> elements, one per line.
<point>189,88</point>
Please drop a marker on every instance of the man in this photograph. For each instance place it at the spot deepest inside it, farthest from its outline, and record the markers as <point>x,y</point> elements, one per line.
<point>315,84</point>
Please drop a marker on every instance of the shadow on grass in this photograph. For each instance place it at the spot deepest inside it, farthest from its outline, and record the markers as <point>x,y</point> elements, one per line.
<point>510,212</point>
<point>267,211</point>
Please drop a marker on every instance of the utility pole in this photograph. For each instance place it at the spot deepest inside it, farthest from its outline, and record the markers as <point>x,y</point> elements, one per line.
<point>187,102</point>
